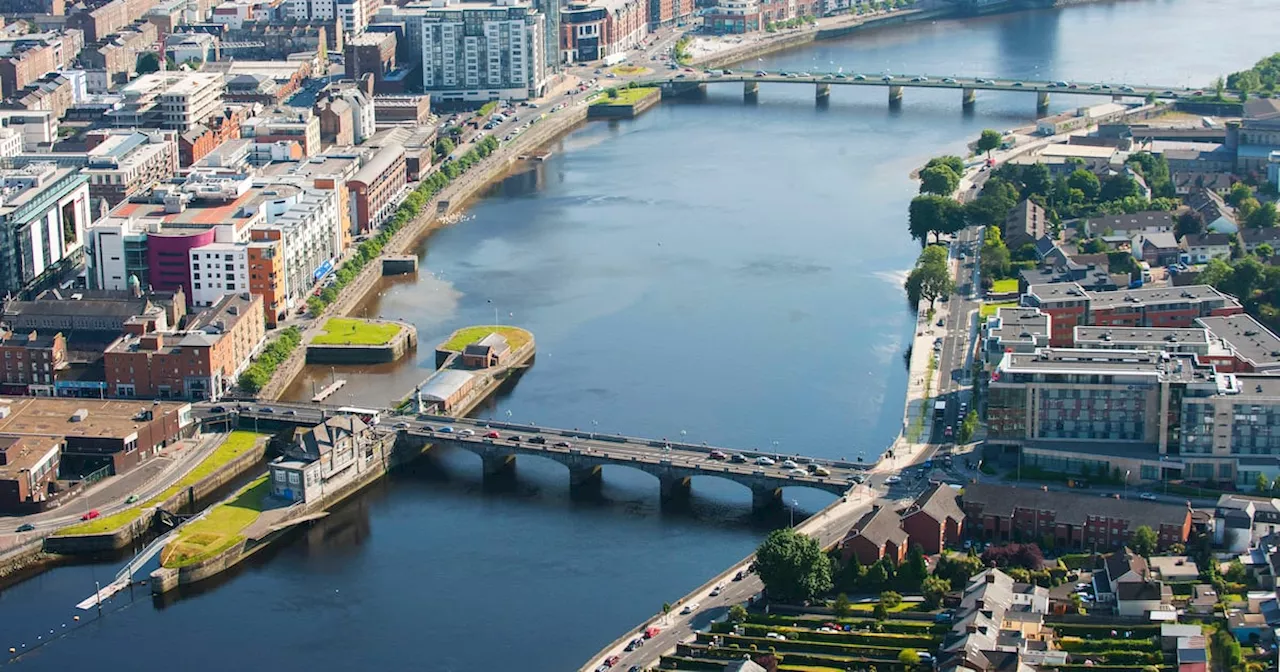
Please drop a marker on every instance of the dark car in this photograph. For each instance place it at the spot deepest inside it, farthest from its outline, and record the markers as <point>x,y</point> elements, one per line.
<point>738,458</point>
<point>515,437</point>
<point>26,527</point>
<point>218,409</point>
<point>563,444</point>
<point>538,440</point>
<point>266,409</point>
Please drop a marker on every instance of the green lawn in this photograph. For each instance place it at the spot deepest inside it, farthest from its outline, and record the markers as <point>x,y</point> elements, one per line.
<point>625,96</point>
<point>234,446</point>
<point>1006,286</point>
<point>347,331</point>
<point>220,529</point>
<point>515,336</point>
<point>989,309</point>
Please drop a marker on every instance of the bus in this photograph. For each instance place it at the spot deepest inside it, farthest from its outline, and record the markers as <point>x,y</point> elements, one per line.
<point>370,416</point>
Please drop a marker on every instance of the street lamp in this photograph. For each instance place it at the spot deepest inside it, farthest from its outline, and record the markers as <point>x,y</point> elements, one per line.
<point>1126,481</point>
<point>794,504</point>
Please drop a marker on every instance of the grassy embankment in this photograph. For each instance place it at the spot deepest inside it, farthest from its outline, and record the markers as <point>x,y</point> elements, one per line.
<point>350,331</point>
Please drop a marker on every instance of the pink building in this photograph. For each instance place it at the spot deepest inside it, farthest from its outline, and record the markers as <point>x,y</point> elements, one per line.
<point>169,257</point>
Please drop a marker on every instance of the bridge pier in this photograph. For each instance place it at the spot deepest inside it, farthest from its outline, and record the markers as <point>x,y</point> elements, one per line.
<point>675,490</point>
<point>750,89</point>
<point>585,480</point>
<point>1042,100</point>
<point>765,497</point>
<point>1117,98</point>
<point>498,465</point>
<point>968,97</point>
<point>895,94</point>
<point>822,91</point>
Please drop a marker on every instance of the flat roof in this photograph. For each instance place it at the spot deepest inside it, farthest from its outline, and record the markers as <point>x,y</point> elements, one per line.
<point>1149,363</point>
<point>1157,336</point>
<point>1018,324</point>
<point>21,453</point>
<point>44,416</point>
<point>1140,296</point>
<point>1259,386</point>
<point>1087,151</point>
<point>1247,336</point>
<point>323,165</point>
<point>209,212</point>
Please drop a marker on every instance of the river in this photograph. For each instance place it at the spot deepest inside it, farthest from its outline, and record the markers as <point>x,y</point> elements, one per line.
<point>717,271</point>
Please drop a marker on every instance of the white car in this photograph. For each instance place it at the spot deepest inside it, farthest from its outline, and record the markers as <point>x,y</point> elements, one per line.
<point>764,461</point>
<point>892,480</point>
<point>797,472</point>
<point>789,464</point>
<point>689,608</point>
<point>402,425</point>
<point>1147,496</point>
<point>467,432</point>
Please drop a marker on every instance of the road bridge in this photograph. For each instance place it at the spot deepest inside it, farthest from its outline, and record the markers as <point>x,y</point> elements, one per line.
<point>688,80</point>
<point>673,463</point>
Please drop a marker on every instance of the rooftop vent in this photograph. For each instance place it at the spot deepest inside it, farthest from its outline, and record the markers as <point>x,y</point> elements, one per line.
<point>80,415</point>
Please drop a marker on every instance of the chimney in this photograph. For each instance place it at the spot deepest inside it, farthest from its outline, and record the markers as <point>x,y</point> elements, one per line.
<point>971,628</point>
<point>991,577</point>
<point>979,604</point>
<point>151,341</point>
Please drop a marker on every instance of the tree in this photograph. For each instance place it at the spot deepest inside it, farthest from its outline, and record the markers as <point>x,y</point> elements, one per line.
<point>931,277</point>
<point>915,570</point>
<point>792,566</point>
<point>1264,251</point>
<point>666,608</point>
<point>1076,602</point>
<point>876,576</point>
<point>879,612</point>
<point>1190,223</point>
<point>994,260</point>
<point>1239,192</point>
<point>909,657</point>
<point>1086,182</point>
<point>930,213</point>
<point>768,661</point>
<point>955,163</point>
<point>1144,541</point>
<point>958,568</point>
<point>934,588</point>
<point>148,61</point>
<point>1119,187</point>
<point>890,599</point>
<point>1036,180</point>
<point>444,147</point>
<point>989,140</point>
<point>968,427</point>
<point>1263,217</point>
<point>939,180</point>
<point>1262,484</point>
<point>737,613</point>
<point>842,607</point>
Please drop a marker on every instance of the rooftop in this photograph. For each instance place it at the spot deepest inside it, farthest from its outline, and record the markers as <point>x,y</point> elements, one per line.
<point>1249,338</point>
<point>324,165</point>
<point>1159,337</point>
<point>1152,219</point>
<point>44,417</point>
<point>1018,324</point>
<point>22,453</point>
<point>1158,365</point>
<point>1071,508</point>
<point>174,83</point>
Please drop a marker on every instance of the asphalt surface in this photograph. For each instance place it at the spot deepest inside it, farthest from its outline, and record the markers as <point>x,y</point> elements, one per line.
<point>958,316</point>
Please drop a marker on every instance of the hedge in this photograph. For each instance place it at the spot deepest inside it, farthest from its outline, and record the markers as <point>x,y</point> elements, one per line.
<point>802,646</point>
<point>905,627</point>
<point>1086,631</point>
<point>1088,646</point>
<point>271,357</point>
<point>697,652</point>
<point>855,637</point>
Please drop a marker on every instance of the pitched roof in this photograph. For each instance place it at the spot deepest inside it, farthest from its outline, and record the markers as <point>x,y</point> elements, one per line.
<point>939,502</point>
<point>1124,561</point>
<point>1206,239</point>
<point>1070,508</point>
<point>1140,591</point>
<point>323,437</point>
<point>878,526</point>
<point>744,665</point>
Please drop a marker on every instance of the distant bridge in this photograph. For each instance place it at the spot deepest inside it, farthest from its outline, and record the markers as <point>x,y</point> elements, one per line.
<point>673,463</point>
<point>687,80</point>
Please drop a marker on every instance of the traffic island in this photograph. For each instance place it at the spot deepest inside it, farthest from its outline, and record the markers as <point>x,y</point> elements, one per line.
<point>354,341</point>
<point>625,103</point>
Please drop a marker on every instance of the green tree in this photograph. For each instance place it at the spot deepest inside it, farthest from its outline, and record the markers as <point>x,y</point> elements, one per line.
<point>939,180</point>
<point>1262,217</point>
<point>1189,223</point>
<point>967,427</point>
<point>994,261</point>
<point>879,612</point>
<point>1119,187</point>
<point>1264,251</point>
<point>930,278</point>
<point>792,566</point>
<point>955,163</point>
<point>876,576</point>
<point>934,589</point>
<point>930,213</point>
<point>842,607</point>
<point>989,140</point>
<point>666,608</point>
<point>908,657</point>
<point>1239,192</point>
<point>1076,603</point>
<point>916,569</point>
<point>1036,180</point>
<point>1086,182</point>
<point>148,61</point>
<point>1262,484</point>
<point>1144,540</point>
<point>737,613</point>
<point>444,147</point>
<point>890,599</point>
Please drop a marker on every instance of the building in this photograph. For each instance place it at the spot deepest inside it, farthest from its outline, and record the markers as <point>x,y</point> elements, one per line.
<point>492,350</point>
<point>351,15</point>
<point>935,520</point>
<point>1185,183</point>
<point>1070,305</point>
<point>268,83</point>
<point>347,114</point>
<point>376,188</point>
<point>205,137</point>
<point>1025,224</point>
<point>269,279</point>
<point>1253,348</point>
<point>97,434</point>
<point>97,20</point>
<point>199,363</point>
<point>477,51</point>
<point>43,213</point>
<point>1218,217</point>
<point>1194,340</point>
<point>122,164</point>
<point>218,269</point>
<point>1157,249</point>
<point>189,48</point>
<point>31,361</point>
<point>116,55</point>
<point>730,17</point>
<point>329,171</point>
<point>28,468</point>
<point>1155,221</point>
<point>1232,436</point>
<point>54,92</point>
<point>1258,135</point>
<point>403,110</point>
<point>592,30</point>
<point>419,143</point>
<point>1240,522</point>
<point>370,54</point>
<point>26,58</point>
<point>443,390</point>
<point>1002,513</point>
<point>328,455</point>
<point>1022,330</point>
<point>33,7</point>
<point>1200,248</point>
<point>170,100</point>
<point>877,534</point>
<point>1252,238</point>
<point>666,13</point>
<point>999,626</point>
<point>94,311</point>
<point>298,126</point>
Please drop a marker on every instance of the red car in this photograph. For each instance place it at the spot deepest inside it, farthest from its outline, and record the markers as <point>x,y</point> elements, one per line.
<point>717,455</point>
<point>93,513</point>
<point>651,633</point>
<point>613,660</point>
<point>493,435</point>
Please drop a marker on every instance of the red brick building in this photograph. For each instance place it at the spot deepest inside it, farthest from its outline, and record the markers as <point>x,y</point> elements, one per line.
<point>203,138</point>
<point>1070,521</point>
<point>1069,305</point>
<point>28,464</point>
<point>877,534</point>
<point>935,520</point>
<point>375,186</point>
<point>31,359</point>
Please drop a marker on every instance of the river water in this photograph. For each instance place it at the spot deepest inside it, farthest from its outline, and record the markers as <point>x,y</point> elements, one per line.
<point>723,272</point>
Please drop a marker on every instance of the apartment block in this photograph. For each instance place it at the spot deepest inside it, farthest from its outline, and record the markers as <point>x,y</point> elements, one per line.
<point>26,58</point>
<point>117,53</point>
<point>596,29</point>
<point>122,164</point>
<point>198,363</point>
<point>376,188</point>
<point>43,213</point>
<point>28,467</point>
<point>351,15</point>
<point>31,360</point>
<point>1071,305</point>
<point>98,19</point>
<point>477,51</point>
<point>170,100</point>
<point>268,83</point>
<point>296,126</point>
<point>1250,347</point>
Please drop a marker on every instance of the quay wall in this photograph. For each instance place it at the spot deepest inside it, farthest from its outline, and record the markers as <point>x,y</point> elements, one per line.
<point>398,347</point>
<point>608,111</point>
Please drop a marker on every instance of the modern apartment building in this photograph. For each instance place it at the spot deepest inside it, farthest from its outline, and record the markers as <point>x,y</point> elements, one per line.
<point>351,15</point>
<point>375,188</point>
<point>594,29</point>
<point>1250,346</point>
<point>734,17</point>
<point>171,100</point>
<point>120,164</point>
<point>293,125</point>
<point>1070,305</point>
<point>476,50</point>
<point>1233,436</point>
<point>44,210</point>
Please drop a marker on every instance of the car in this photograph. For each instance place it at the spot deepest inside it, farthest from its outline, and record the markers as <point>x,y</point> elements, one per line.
<point>689,608</point>
<point>291,412</point>
<point>944,617</point>
<point>738,458</point>
<point>633,668</point>
<point>638,641</point>
<point>797,472</point>
<point>947,432</point>
<point>726,71</point>
<point>492,435</point>
<point>840,75</point>
<point>925,657</point>
<point>218,409</point>
<point>25,527</point>
<point>717,455</point>
<point>764,461</point>
<point>715,592</point>
<point>1147,496</point>
<point>515,438</point>
<point>805,74</point>
<point>920,79</point>
<point>708,72</point>
<point>680,76</point>
<point>949,80</point>
<point>1051,85</point>
<point>538,440</point>
<point>892,480</point>
<point>1061,83</point>
<point>941,321</point>
<point>445,429</point>
<point>860,78</point>
<point>790,75</point>
<point>761,73</point>
<point>1127,89</point>
<point>1074,86</point>
<point>90,514</point>
<point>859,478</point>
<point>1095,87</point>
<point>1017,84</point>
<point>774,635</point>
<point>611,76</point>
<point>130,499</point>
<point>738,576</point>
<point>650,633</point>
<point>1081,587</point>
<point>467,432</point>
<point>563,444</point>
<point>613,660</point>
<point>266,409</point>
<point>402,425</point>
<point>688,69</point>
<point>789,464</point>
<point>887,78</point>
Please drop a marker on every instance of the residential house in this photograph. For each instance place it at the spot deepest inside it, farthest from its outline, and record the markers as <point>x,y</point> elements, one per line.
<point>999,625</point>
<point>1123,566</point>
<point>1140,598</point>
<point>1024,225</point>
<point>1241,521</point>
<point>744,665</point>
<point>1204,599</point>
<point>877,534</point>
<point>935,520</point>
<point>1200,248</point>
<point>1252,238</point>
<point>1187,182</point>
<point>1158,249</point>
<point>1170,633</point>
<point>1250,628</point>
<point>1152,221</point>
<point>1218,217</point>
<point>489,351</point>
<point>28,468</point>
<point>1173,568</point>
<point>327,455</point>
<point>1192,655</point>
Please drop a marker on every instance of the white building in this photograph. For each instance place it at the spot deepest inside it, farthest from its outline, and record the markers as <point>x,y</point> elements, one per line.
<point>353,13</point>
<point>478,50</point>
<point>218,269</point>
<point>10,142</point>
<point>44,210</point>
<point>310,224</point>
<point>234,13</point>
<point>172,100</point>
<point>117,250</point>
<point>35,126</point>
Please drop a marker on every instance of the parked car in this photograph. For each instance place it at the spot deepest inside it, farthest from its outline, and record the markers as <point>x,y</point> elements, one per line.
<point>26,527</point>
<point>613,660</point>
<point>90,515</point>
<point>218,409</point>
<point>739,575</point>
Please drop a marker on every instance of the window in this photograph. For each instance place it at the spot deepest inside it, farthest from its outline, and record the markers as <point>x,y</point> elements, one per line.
<point>280,476</point>
<point>293,478</point>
